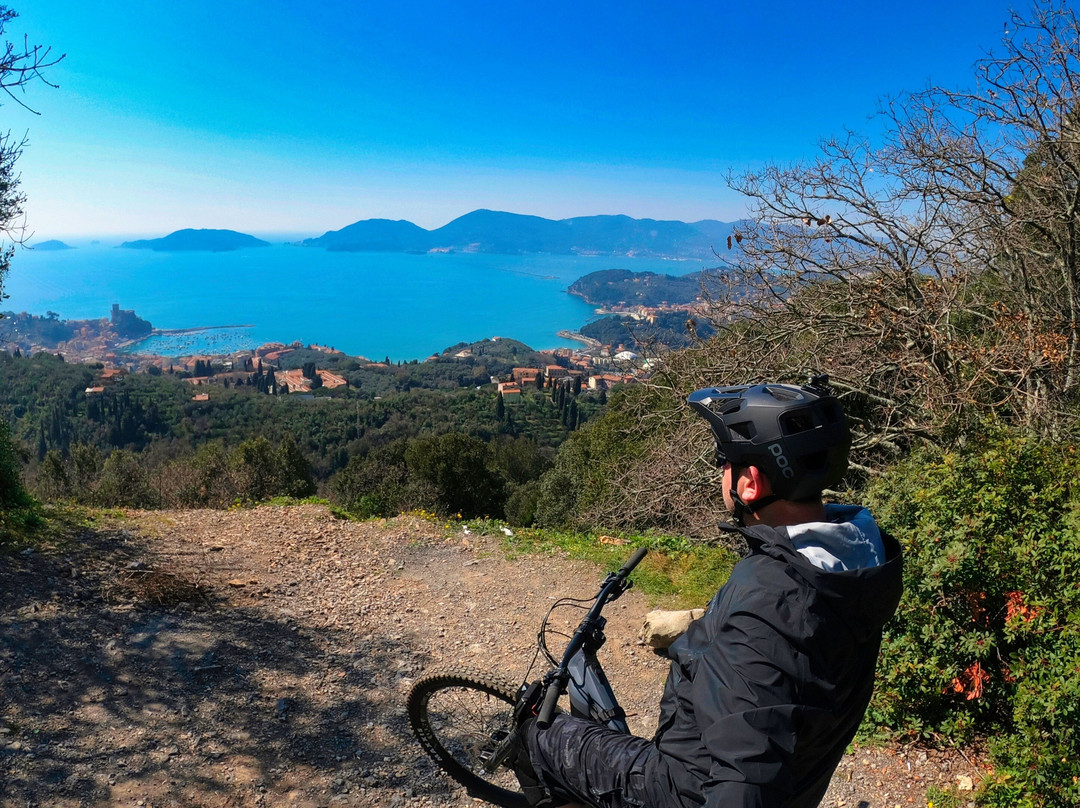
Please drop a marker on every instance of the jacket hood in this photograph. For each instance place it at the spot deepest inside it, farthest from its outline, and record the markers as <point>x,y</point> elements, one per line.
<point>864,596</point>
<point>849,539</point>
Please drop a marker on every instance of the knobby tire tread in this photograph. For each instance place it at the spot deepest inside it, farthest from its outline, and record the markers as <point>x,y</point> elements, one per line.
<point>456,676</point>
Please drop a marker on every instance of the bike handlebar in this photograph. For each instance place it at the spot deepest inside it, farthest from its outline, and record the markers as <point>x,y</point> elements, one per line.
<point>634,560</point>
<point>547,710</point>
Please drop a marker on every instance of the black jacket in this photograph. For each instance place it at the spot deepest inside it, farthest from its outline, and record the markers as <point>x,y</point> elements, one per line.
<point>769,686</point>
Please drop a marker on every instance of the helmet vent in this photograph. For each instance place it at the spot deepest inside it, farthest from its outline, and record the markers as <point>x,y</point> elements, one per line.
<point>792,423</point>
<point>746,430</point>
<point>783,393</point>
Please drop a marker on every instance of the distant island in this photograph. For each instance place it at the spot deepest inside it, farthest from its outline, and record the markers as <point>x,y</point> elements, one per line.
<point>198,240</point>
<point>51,244</point>
<point>487,231</point>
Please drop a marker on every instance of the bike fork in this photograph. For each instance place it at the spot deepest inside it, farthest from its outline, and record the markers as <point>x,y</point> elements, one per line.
<point>506,744</point>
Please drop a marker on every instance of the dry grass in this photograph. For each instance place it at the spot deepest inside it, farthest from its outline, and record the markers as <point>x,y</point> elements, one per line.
<point>155,587</point>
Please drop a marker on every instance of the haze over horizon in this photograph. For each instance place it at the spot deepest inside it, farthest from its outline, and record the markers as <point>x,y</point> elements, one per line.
<point>258,118</point>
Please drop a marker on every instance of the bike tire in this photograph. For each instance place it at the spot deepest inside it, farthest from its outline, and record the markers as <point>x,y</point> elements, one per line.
<point>454,713</point>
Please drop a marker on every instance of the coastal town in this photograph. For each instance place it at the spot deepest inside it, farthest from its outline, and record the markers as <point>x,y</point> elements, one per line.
<point>112,345</point>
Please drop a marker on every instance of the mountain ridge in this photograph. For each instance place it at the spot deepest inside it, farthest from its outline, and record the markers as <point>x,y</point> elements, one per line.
<point>489,231</point>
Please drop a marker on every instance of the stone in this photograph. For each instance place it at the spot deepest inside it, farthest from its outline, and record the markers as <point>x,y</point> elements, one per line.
<point>661,628</point>
<point>281,708</point>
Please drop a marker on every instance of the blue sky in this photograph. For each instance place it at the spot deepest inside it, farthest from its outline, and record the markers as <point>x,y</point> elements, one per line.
<point>275,117</point>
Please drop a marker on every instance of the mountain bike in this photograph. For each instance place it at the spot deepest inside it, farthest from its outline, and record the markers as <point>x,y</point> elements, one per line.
<point>464,719</point>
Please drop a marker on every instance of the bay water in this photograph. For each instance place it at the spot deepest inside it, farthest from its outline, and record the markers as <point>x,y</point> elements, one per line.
<point>396,305</point>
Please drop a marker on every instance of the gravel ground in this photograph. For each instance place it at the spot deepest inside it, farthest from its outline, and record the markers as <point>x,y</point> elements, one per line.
<point>262,657</point>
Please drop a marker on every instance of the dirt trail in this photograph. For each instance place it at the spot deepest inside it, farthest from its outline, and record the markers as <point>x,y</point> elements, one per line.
<point>286,686</point>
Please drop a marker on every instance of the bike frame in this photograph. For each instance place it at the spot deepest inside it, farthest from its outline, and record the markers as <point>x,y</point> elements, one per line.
<point>590,692</point>
<point>580,672</point>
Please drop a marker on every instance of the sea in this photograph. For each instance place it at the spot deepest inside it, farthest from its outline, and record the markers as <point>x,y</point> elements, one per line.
<point>397,305</point>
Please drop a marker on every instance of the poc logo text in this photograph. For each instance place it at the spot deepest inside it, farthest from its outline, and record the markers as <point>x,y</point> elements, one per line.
<point>781,460</point>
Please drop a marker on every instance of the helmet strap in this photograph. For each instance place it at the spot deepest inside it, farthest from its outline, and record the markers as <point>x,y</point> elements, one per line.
<point>743,508</point>
<point>740,509</point>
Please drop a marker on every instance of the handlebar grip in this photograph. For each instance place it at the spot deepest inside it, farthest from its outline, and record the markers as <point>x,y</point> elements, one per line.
<point>635,559</point>
<point>547,711</point>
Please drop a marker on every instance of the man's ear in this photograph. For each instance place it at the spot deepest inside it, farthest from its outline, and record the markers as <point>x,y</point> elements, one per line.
<point>753,485</point>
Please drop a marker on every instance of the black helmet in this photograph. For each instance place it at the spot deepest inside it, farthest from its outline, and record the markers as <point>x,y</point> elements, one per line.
<point>797,436</point>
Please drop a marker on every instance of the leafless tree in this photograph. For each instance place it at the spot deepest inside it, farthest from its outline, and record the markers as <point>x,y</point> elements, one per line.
<point>936,275</point>
<point>20,66</point>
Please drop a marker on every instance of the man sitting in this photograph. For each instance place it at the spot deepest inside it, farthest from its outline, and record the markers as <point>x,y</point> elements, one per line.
<point>767,688</point>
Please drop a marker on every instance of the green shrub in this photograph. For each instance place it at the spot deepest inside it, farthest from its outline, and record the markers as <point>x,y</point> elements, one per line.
<point>18,510</point>
<point>53,477</point>
<point>124,482</point>
<point>457,467</point>
<point>586,467</point>
<point>254,463</point>
<point>986,641</point>
<point>379,484</point>
<point>12,493</point>
<point>75,477</point>
<point>293,470</point>
<point>259,471</point>
<point>85,462</point>
<point>521,504</point>
<point>202,480</point>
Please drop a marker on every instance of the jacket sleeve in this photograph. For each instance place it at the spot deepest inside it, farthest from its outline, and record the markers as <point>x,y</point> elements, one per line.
<point>744,696</point>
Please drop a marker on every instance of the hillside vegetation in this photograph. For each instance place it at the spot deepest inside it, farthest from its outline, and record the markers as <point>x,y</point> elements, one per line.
<point>669,329</point>
<point>424,435</point>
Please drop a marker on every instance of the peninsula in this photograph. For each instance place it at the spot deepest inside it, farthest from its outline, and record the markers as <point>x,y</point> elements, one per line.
<point>612,288</point>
